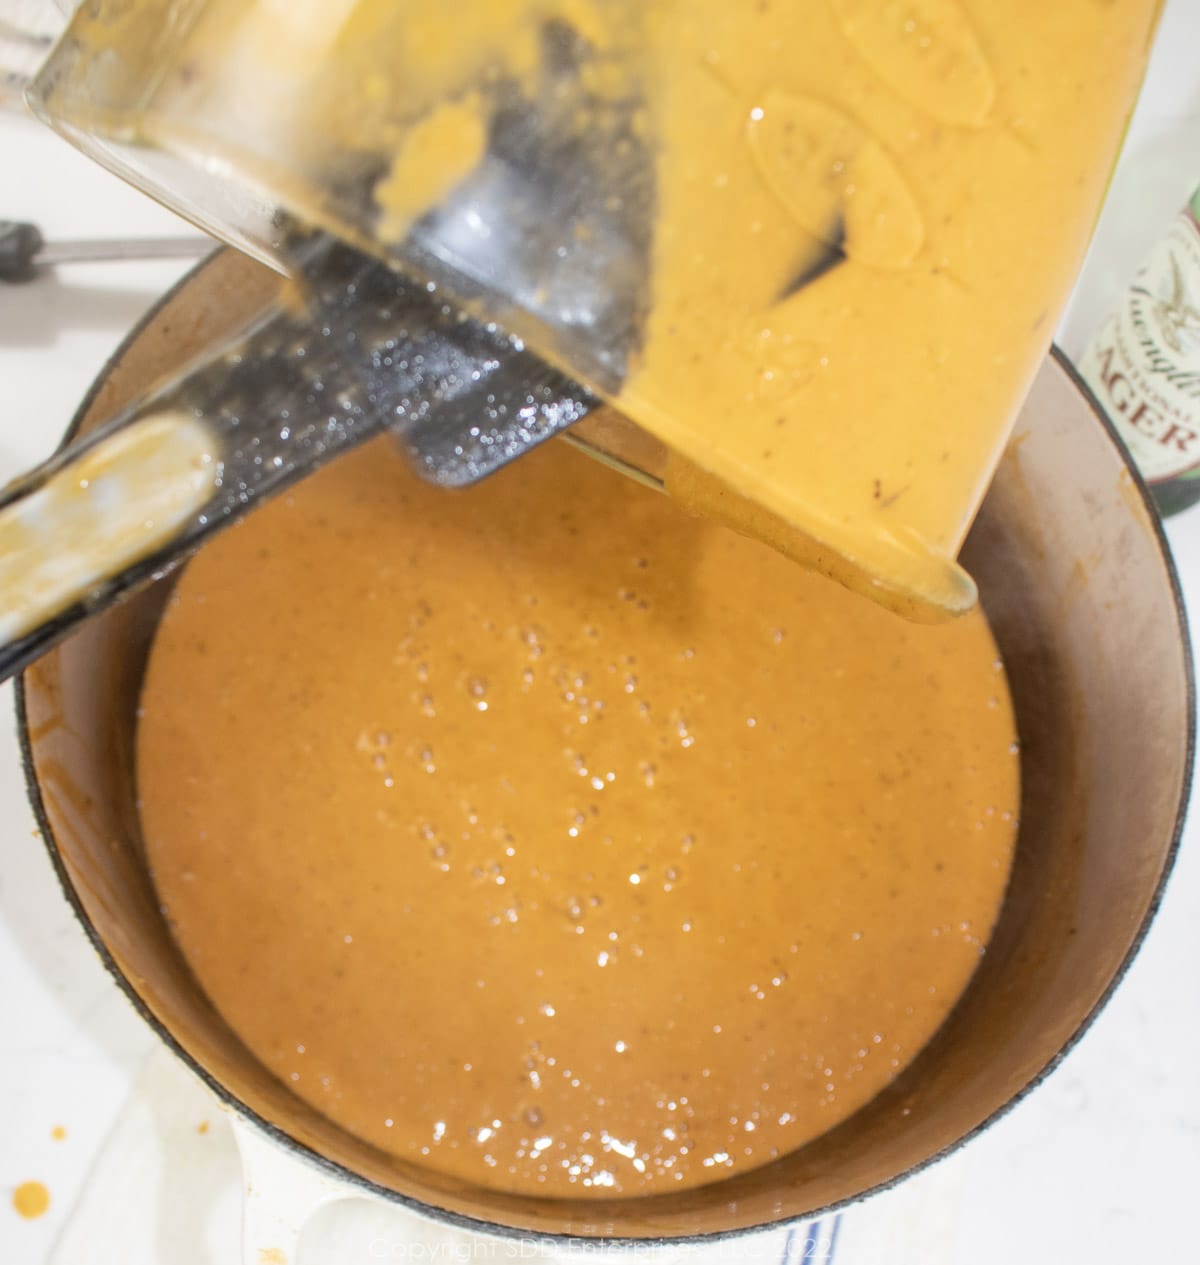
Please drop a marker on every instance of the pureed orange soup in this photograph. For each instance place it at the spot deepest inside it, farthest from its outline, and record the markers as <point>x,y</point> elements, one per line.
<point>549,837</point>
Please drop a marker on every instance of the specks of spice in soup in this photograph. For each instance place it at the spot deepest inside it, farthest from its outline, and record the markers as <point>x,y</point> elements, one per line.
<point>547,836</point>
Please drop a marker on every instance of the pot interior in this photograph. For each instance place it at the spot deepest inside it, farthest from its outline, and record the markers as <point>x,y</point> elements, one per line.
<point>1074,574</point>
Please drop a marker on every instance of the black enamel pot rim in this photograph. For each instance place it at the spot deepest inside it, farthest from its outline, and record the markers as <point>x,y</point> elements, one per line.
<point>368,1188</point>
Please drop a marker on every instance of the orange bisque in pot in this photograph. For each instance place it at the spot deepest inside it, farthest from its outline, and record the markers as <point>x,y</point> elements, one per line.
<point>557,840</point>
<point>551,836</point>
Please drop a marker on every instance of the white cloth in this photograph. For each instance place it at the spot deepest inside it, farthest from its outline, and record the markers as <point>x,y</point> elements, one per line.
<point>166,1189</point>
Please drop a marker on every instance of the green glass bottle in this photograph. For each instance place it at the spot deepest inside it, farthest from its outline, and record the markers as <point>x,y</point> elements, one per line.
<point>1143,365</point>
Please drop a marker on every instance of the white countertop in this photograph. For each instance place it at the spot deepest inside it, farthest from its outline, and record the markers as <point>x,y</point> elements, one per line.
<point>1100,1164</point>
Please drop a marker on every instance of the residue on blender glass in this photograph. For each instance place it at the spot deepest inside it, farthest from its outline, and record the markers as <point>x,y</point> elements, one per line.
<point>434,156</point>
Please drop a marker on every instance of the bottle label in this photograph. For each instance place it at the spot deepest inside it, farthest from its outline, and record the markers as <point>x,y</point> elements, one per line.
<point>1144,363</point>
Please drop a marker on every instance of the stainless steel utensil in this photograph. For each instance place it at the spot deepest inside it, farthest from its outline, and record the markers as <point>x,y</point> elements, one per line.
<point>23,249</point>
<point>551,227</point>
<point>367,351</point>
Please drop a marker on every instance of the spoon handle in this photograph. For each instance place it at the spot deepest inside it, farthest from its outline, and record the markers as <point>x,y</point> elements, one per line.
<point>356,351</point>
<point>23,249</point>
